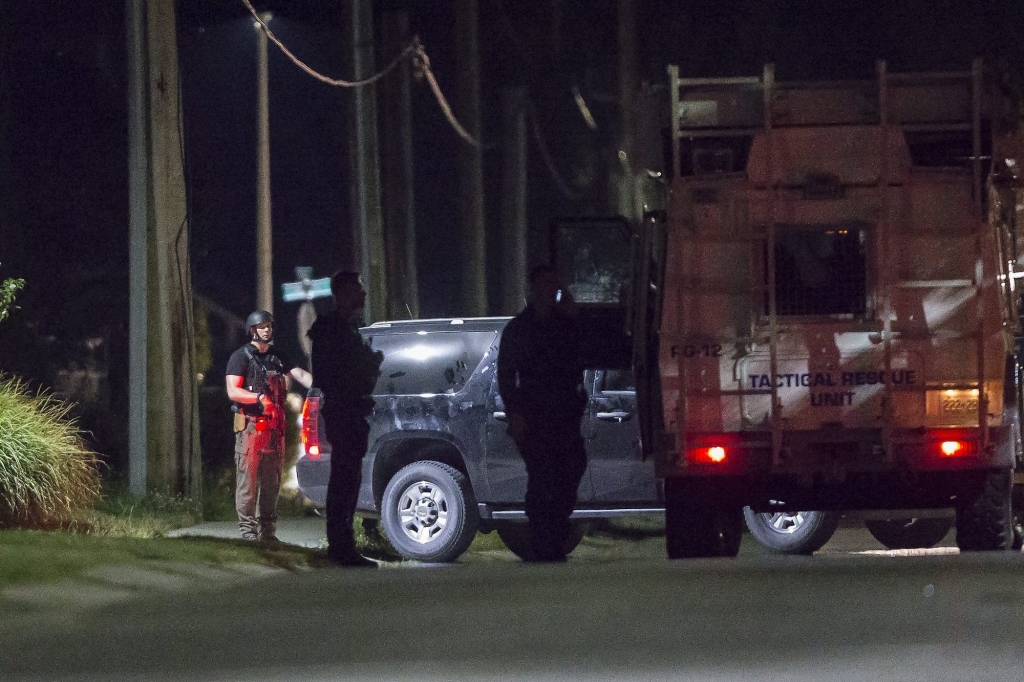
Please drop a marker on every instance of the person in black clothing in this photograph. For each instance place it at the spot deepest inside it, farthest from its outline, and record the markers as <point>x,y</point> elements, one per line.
<point>346,370</point>
<point>540,378</point>
<point>255,381</point>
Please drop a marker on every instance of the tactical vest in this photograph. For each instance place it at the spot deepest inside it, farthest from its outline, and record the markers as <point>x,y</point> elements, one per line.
<point>263,375</point>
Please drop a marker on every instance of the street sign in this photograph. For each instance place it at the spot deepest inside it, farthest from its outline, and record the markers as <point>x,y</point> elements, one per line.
<point>306,290</point>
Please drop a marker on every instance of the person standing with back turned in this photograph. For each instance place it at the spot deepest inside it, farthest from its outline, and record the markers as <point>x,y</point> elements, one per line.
<point>345,370</point>
<point>540,378</point>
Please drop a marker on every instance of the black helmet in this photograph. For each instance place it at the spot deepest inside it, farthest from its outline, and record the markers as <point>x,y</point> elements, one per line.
<point>255,318</point>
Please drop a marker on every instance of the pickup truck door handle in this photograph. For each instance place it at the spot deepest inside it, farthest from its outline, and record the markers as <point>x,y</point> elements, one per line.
<point>617,416</point>
<point>500,416</point>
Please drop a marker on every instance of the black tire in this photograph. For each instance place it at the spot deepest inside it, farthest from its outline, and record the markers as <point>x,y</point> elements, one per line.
<point>429,512</point>
<point>1018,517</point>
<point>913,533</point>
<point>802,532</point>
<point>985,524</point>
<point>698,526</point>
<point>516,536</point>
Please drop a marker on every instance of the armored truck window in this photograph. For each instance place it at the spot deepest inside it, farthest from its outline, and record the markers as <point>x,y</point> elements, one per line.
<point>616,381</point>
<point>820,270</point>
<point>433,363</point>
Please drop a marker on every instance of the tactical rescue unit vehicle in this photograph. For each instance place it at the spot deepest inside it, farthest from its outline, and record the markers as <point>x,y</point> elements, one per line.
<point>825,316</point>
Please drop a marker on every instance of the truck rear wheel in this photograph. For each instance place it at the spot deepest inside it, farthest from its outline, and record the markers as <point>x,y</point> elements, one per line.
<point>913,533</point>
<point>516,536</point>
<point>792,532</point>
<point>697,525</point>
<point>429,512</point>
<point>985,523</point>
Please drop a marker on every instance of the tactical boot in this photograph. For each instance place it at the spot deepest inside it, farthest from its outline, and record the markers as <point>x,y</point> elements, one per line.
<point>349,558</point>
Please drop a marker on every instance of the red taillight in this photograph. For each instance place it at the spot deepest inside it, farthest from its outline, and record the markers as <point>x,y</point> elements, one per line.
<point>956,448</point>
<point>716,454</point>
<point>950,448</point>
<point>310,430</point>
<point>713,455</point>
<point>262,424</point>
<point>943,449</point>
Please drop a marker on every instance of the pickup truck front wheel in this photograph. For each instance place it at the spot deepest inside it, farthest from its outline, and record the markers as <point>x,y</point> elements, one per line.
<point>429,512</point>
<point>802,532</point>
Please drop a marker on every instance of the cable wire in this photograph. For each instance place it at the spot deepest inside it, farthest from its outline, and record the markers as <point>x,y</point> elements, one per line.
<point>421,62</point>
<point>542,146</point>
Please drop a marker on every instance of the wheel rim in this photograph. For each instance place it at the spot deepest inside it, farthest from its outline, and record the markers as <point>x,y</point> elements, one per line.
<point>784,522</point>
<point>423,512</point>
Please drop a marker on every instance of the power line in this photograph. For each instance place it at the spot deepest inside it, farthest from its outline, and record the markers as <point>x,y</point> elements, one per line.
<point>420,60</point>
<point>542,147</point>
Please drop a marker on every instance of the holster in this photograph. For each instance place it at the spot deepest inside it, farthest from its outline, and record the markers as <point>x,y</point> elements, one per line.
<point>239,422</point>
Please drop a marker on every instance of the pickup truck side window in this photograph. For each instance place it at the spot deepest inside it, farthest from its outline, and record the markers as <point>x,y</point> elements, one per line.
<point>429,363</point>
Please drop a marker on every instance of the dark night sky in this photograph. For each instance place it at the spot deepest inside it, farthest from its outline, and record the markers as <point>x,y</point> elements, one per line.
<point>64,66</point>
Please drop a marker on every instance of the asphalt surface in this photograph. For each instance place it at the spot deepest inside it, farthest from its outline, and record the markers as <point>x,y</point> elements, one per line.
<point>841,615</point>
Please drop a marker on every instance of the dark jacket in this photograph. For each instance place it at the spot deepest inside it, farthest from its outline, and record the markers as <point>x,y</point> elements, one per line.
<point>540,365</point>
<point>345,368</point>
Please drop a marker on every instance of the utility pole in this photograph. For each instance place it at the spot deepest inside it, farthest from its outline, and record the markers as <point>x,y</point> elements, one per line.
<point>163,419</point>
<point>399,207</point>
<point>623,178</point>
<point>367,224</point>
<point>138,261</point>
<point>472,247</point>
<point>7,240</point>
<point>513,201</point>
<point>264,235</point>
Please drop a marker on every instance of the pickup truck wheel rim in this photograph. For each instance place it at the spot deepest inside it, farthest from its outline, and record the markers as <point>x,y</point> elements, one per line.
<point>423,512</point>
<point>785,522</point>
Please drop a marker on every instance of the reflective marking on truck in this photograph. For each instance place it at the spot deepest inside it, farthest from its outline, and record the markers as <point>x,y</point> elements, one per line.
<point>693,350</point>
<point>831,398</point>
<point>817,379</point>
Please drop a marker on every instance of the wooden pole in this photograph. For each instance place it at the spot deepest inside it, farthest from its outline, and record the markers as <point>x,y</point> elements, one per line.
<point>138,261</point>
<point>367,223</point>
<point>162,378</point>
<point>264,234</point>
<point>399,209</point>
<point>513,202</point>
<point>472,247</point>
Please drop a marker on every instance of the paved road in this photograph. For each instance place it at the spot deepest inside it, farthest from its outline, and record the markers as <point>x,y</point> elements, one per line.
<point>838,616</point>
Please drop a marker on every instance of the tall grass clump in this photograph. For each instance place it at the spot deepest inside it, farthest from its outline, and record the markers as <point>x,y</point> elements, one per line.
<point>47,474</point>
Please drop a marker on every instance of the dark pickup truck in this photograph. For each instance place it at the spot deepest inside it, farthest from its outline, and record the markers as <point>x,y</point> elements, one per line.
<point>440,464</point>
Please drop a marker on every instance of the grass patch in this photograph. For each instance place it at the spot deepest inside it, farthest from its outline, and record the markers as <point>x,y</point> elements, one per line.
<point>41,556</point>
<point>120,514</point>
<point>487,542</point>
<point>47,475</point>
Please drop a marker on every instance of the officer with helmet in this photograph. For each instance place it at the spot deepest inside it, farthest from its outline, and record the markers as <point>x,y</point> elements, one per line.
<point>256,385</point>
